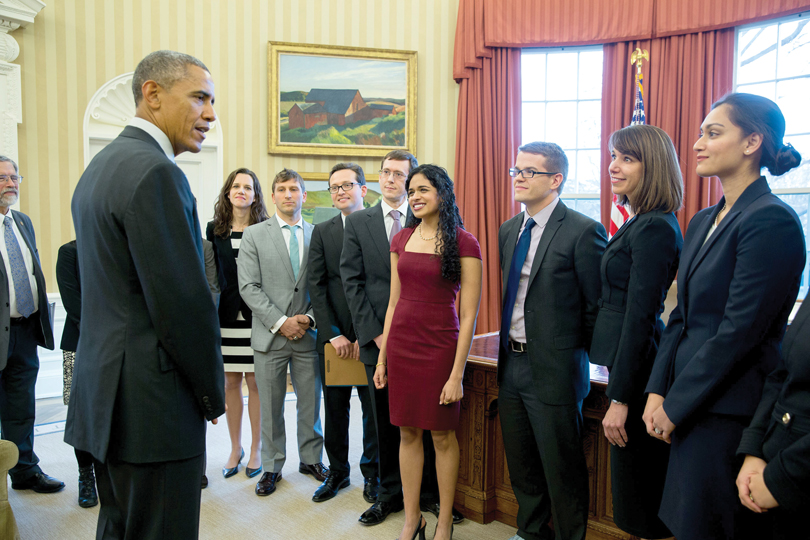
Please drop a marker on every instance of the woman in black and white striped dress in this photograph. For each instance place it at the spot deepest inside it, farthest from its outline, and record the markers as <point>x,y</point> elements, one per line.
<point>240,204</point>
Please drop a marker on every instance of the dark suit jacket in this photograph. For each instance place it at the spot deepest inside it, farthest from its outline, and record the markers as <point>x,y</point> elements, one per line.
<point>561,301</point>
<point>151,369</point>
<point>637,269</point>
<point>786,446</point>
<point>230,301</point>
<point>735,293</point>
<point>67,277</point>
<point>365,267</point>
<point>43,330</point>
<point>325,286</point>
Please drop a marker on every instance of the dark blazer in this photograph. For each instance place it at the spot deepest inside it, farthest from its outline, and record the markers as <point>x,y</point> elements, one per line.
<point>561,301</point>
<point>44,332</point>
<point>780,430</point>
<point>735,292</point>
<point>230,301</point>
<point>637,269</point>
<point>67,277</point>
<point>365,267</point>
<point>151,371</point>
<point>325,286</point>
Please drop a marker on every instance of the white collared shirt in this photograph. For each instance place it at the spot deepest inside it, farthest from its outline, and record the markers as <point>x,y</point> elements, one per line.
<point>299,233</point>
<point>388,220</point>
<point>29,267</point>
<point>517,329</point>
<point>156,133</point>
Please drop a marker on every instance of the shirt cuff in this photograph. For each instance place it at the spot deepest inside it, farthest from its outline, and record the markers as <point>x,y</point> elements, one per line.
<point>312,322</point>
<point>334,338</point>
<point>275,328</point>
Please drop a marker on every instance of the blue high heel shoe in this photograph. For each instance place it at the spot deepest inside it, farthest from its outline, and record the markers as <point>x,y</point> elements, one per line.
<point>227,473</point>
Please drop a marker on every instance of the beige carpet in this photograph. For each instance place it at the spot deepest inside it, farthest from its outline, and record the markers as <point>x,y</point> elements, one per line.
<point>230,508</point>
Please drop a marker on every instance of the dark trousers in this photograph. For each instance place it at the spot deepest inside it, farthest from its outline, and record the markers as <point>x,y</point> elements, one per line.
<point>543,447</point>
<point>336,400</point>
<point>17,398</point>
<point>149,501</point>
<point>388,450</point>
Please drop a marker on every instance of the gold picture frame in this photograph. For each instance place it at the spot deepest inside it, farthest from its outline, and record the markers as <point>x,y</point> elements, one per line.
<point>334,118</point>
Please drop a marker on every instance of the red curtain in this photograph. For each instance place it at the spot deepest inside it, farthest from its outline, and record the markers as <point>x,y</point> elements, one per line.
<point>487,136</point>
<point>675,17</point>
<point>684,76</point>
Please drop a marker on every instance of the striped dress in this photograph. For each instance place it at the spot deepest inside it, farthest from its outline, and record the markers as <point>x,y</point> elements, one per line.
<point>236,351</point>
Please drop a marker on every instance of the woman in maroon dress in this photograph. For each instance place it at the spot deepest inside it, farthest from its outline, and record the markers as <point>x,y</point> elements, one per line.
<point>425,341</point>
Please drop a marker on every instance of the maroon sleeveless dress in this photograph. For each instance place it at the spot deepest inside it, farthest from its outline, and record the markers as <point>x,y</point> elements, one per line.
<point>423,336</point>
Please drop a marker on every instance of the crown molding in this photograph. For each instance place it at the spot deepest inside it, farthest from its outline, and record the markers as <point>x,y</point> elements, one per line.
<point>18,13</point>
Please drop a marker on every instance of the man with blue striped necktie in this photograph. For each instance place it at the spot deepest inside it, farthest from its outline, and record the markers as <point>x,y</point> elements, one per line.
<point>27,324</point>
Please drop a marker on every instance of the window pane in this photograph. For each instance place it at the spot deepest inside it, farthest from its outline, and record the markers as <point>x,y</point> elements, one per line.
<point>562,69</point>
<point>533,122</point>
<point>756,48</point>
<point>533,77</point>
<point>588,171</point>
<point>794,39</point>
<point>791,96</point>
<point>589,124</point>
<point>571,183</point>
<point>589,207</point>
<point>561,125</point>
<point>590,74</point>
<point>767,90</point>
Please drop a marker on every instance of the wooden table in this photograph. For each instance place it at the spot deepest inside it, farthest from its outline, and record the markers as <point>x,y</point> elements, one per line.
<point>484,492</point>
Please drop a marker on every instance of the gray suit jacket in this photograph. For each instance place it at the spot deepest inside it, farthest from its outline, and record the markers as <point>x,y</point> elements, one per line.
<point>44,332</point>
<point>269,288</point>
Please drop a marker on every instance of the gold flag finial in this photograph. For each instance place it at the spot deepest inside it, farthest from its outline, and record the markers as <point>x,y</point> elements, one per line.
<point>639,55</point>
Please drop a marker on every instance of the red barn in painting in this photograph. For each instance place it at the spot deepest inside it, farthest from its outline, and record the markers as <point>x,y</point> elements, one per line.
<point>306,115</point>
<point>339,104</point>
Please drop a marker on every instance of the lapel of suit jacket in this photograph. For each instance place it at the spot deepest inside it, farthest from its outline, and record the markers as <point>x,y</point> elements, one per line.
<point>336,231</point>
<point>509,248</point>
<point>28,242</point>
<point>277,239</point>
<point>302,272</point>
<point>795,327</point>
<point>554,222</point>
<point>375,221</point>
<point>622,230</point>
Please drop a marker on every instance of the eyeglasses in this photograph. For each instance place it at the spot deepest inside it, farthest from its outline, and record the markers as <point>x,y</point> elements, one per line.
<point>526,173</point>
<point>385,173</point>
<point>347,187</point>
<point>14,178</point>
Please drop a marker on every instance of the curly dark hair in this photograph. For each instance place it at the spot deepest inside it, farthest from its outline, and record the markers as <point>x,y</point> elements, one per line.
<point>449,219</point>
<point>223,209</point>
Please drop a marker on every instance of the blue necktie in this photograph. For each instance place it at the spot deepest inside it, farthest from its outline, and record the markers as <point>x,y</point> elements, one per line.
<point>294,257</point>
<point>518,258</point>
<point>19,275</point>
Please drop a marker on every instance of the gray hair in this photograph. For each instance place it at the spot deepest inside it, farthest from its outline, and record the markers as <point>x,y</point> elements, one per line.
<point>4,159</point>
<point>163,67</point>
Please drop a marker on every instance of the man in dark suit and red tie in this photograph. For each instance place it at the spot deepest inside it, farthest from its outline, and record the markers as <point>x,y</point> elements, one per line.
<point>550,258</point>
<point>150,370</point>
<point>28,324</point>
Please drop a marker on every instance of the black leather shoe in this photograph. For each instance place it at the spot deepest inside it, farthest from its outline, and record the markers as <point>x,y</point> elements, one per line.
<point>371,486</point>
<point>88,497</point>
<point>318,470</point>
<point>227,473</point>
<point>379,511</point>
<point>334,482</point>
<point>204,482</point>
<point>267,484</point>
<point>433,508</point>
<point>41,483</point>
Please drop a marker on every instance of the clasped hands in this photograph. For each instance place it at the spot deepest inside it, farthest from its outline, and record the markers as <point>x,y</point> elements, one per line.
<point>345,348</point>
<point>295,327</point>
<point>656,419</point>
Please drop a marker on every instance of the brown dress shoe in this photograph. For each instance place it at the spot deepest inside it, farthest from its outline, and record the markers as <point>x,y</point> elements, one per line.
<point>318,470</point>
<point>267,484</point>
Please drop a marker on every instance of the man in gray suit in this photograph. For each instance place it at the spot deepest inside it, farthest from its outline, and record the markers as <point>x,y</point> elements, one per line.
<point>24,309</point>
<point>272,275</point>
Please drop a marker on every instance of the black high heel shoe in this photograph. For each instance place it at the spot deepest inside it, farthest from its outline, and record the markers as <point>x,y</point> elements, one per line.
<point>420,532</point>
<point>227,473</point>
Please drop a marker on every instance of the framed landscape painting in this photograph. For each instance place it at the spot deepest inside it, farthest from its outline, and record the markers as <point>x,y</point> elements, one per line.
<point>340,101</point>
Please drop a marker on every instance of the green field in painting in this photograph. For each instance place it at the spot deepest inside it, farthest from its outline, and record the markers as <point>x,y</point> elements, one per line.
<point>384,131</point>
<point>322,199</point>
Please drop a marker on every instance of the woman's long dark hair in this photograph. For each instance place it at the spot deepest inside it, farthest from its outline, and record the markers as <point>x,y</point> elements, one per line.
<point>223,209</point>
<point>449,219</point>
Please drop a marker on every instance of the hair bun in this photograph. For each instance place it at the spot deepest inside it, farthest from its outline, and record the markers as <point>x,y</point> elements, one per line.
<point>787,158</point>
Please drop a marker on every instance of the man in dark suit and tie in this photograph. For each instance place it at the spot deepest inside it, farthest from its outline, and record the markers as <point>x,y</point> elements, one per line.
<point>347,185</point>
<point>550,258</point>
<point>149,370</point>
<point>24,305</point>
<point>272,271</point>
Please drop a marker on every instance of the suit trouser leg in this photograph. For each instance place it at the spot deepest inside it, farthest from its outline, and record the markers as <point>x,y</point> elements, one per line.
<point>17,397</point>
<point>369,462</point>
<point>544,453</point>
<point>271,379</point>
<point>306,381</point>
<point>387,443</point>
<point>149,501</point>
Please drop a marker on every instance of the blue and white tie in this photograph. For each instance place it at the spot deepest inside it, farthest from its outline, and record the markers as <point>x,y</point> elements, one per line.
<point>19,275</point>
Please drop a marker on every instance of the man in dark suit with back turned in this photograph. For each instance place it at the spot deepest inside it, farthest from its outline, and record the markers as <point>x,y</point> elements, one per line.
<point>347,186</point>
<point>24,309</point>
<point>150,370</point>
<point>550,258</point>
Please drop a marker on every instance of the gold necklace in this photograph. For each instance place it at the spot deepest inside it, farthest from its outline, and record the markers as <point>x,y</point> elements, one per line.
<point>718,215</point>
<point>422,237</point>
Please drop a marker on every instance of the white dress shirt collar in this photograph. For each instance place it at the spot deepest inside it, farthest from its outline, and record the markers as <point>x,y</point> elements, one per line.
<point>282,223</point>
<point>156,133</point>
<point>541,218</point>
<point>386,208</point>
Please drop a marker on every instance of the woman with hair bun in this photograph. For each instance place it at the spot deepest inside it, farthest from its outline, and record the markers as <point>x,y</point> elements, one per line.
<point>738,279</point>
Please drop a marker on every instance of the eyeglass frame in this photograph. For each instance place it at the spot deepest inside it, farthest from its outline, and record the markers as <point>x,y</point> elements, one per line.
<point>6,177</point>
<point>335,189</point>
<point>514,172</point>
<point>385,174</point>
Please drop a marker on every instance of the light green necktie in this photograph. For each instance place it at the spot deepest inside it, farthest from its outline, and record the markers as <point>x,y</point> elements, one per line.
<point>294,257</point>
